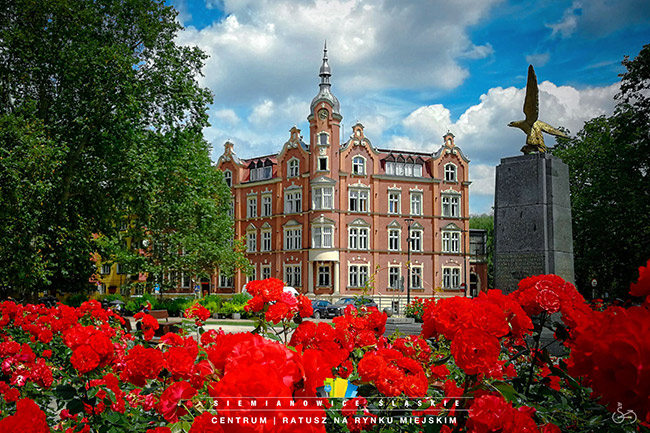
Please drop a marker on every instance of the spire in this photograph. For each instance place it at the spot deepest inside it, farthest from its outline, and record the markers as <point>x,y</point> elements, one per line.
<point>324,92</point>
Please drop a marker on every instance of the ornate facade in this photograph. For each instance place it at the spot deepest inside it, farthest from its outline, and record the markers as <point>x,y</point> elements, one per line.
<point>332,218</point>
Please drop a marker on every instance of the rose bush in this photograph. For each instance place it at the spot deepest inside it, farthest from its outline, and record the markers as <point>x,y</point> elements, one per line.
<point>480,365</point>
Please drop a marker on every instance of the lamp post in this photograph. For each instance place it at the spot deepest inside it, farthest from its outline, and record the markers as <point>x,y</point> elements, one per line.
<point>409,222</point>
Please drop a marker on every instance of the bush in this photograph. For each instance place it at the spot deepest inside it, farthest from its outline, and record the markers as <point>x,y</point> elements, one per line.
<point>76,299</point>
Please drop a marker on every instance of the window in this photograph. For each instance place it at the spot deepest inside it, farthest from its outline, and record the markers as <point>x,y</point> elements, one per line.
<point>358,238</point>
<point>394,277</point>
<point>322,236</point>
<point>227,176</point>
<point>292,275</point>
<point>231,209</point>
<point>451,205</point>
<point>323,139</point>
<point>266,271</point>
<point>293,168</point>
<point>118,269</point>
<point>225,280</point>
<point>451,278</point>
<point>266,205</point>
<point>358,200</point>
<point>403,169</point>
<point>251,241</point>
<point>416,277</point>
<point>357,275</point>
<point>451,242</point>
<point>266,240</point>
<point>450,172</point>
<point>393,239</point>
<point>293,238</point>
<point>293,202</point>
<point>186,281</point>
<point>322,198</point>
<point>416,203</point>
<point>416,240</point>
<point>106,269</point>
<point>324,279</point>
<point>251,209</point>
<point>322,163</point>
<point>393,202</point>
<point>358,165</point>
<point>261,172</point>
<point>253,275</point>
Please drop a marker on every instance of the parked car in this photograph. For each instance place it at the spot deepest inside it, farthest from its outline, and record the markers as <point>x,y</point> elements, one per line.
<point>357,302</point>
<point>325,309</point>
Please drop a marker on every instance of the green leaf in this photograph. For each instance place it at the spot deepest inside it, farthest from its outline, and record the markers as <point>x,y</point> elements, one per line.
<point>65,392</point>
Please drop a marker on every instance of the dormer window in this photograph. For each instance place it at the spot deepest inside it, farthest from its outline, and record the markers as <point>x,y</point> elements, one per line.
<point>261,170</point>
<point>450,172</point>
<point>293,168</point>
<point>358,165</point>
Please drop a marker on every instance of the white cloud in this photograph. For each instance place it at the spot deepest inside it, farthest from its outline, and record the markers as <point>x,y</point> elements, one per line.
<point>262,113</point>
<point>568,24</point>
<point>227,115</point>
<point>538,59</point>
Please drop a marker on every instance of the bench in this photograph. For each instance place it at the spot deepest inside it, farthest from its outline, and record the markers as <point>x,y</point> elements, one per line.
<point>167,324</point>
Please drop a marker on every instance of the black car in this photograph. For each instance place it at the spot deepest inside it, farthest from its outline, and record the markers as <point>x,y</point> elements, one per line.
<point>325,309</point>
<point>357,302</point>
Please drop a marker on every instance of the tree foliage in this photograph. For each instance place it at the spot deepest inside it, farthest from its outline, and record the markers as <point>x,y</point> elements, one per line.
<point>101,121</point>
<point>609,164</point>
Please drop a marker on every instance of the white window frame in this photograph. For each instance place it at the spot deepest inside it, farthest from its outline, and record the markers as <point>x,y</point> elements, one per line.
<point>266,244</point>
<point>225,281</point>
<point>293,167</point>
<point>293,201</point>
<point>322,142</point>
<point>231,209</point>
<point>451,277</point>
<point>322,236</point>
<point>293,238</point>
<point>394,276</point>
<point>451,241</point>
<point>394,239</point>
<point>322,197</point>
<point>265,272</point>
<point>253,276</point>
<point>394,202</point>
<point>451,205</point>
<point>267,205</point>
<point>359,198</point>
<point>251,241</point>
<point>251,207</point>
<point>106,269</point>
<point>416,203</point>
<point>358,238</point>
<point>451,172</point>
<point>186,281</point>
<point>227,176</point>
<point>320,267</point>
<point>327,163</point>
<point>403,169</point>
<point>359,165</point>
<point>358,275</point>
<point>416,277</point>
<point>417,238</point>
<point>293,274</point>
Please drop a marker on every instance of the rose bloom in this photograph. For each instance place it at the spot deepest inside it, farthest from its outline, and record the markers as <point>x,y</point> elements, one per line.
<point>170,406</point>
<point>28,418</point>
<point>475,351</point>
<point>203,424</point>
<point>642,285</point>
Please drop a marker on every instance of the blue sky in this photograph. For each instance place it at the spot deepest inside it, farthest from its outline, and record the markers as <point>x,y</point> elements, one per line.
<point>411,70</point>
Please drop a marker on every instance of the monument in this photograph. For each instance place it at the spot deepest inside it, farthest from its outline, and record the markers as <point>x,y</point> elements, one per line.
<point>532,207</point>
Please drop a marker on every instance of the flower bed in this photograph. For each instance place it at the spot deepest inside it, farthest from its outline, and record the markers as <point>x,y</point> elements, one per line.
<point>480,365</point>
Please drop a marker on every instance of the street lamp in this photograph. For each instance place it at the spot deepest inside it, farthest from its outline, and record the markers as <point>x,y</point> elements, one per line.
<point>409,223</point>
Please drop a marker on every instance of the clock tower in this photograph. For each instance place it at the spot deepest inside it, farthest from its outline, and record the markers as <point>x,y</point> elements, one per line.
<point>324,125</point>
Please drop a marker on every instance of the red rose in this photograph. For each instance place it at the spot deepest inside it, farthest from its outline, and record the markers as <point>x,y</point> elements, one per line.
<point>84,359</point>
<point>28,418</point>
<point>475,351</point>
<point>203,424</point>
<point>642,285</point>
<point>142,364</point>
<point>171,401</point>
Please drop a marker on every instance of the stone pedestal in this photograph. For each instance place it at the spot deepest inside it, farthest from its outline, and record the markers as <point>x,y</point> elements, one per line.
<point>532,220</point>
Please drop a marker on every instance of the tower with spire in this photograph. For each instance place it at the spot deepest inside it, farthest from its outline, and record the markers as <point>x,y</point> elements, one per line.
<point>324,124</point>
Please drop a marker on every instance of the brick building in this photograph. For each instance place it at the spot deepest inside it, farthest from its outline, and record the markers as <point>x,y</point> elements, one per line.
<point>330,217</point>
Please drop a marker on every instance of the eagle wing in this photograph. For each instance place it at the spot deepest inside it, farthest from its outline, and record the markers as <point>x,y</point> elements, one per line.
<point>531,103</point>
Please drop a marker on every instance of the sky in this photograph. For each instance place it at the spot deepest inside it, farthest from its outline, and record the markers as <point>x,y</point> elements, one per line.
<point>411,70</point>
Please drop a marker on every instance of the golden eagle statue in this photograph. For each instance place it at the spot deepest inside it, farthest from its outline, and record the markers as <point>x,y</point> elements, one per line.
<point>531,125</point>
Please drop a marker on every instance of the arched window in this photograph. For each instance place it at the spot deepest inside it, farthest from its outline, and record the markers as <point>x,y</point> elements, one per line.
<point>227,175</point>
<point>293,168</point>
<point>450,172</point>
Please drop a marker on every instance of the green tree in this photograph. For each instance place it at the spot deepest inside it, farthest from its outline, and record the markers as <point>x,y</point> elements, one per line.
<point>486,222</point>
<point>101,121</point>
<point>609,165</point>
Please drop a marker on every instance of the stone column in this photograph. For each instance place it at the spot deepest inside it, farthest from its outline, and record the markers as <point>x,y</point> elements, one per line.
<point>310,275</point>
<point>336,278</point>
<point>532,220</point>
